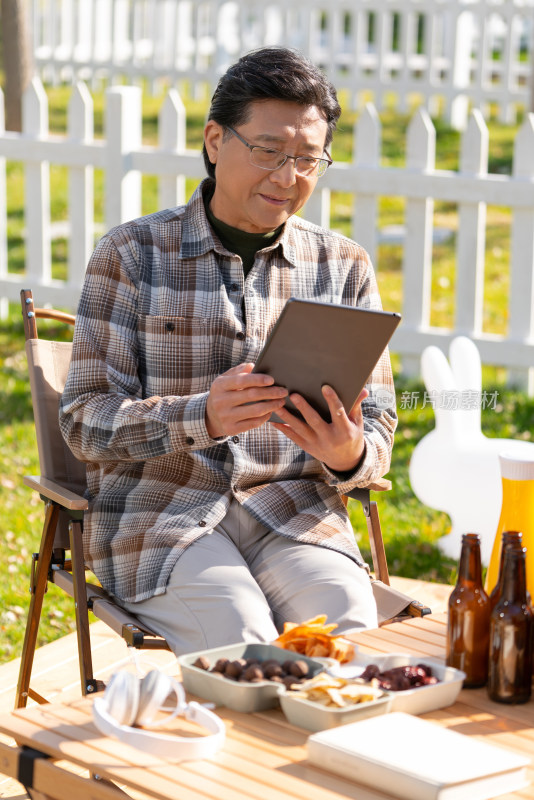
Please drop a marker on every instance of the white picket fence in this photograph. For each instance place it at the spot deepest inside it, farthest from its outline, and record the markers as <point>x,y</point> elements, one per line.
<point>125,159</point>
<point>447,54</point>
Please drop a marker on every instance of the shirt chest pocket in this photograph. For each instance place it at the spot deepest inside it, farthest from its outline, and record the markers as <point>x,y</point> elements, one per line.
<point>181,356</point>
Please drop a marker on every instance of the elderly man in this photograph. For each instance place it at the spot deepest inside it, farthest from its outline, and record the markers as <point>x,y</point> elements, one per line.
<point>212,523</point>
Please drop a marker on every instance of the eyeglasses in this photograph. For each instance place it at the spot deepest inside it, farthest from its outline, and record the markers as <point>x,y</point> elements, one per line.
<point>268,158</point>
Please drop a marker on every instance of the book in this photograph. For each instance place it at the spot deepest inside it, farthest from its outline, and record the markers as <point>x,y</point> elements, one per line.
<point>414,759</point>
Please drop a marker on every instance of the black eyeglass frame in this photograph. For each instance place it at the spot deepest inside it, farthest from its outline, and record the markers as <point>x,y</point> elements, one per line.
<point>320,161</point>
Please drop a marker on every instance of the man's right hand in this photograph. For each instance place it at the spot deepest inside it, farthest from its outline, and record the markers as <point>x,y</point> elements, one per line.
<point>240,400</point>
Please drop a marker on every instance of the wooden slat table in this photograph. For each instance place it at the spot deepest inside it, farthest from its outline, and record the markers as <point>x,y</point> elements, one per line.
<point>264,757</point>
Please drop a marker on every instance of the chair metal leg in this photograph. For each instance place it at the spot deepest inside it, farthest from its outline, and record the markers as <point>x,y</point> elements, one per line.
<point>37,589</point>
<point>88,683</point>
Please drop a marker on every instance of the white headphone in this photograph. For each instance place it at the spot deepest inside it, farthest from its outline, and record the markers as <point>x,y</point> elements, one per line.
<point>129,700</point>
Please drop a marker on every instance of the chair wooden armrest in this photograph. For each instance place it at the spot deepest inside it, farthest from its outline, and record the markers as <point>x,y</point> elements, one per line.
<point>380,485</point>
<point>54,314</point>
<point>57,493</point>
<point>417,609</point>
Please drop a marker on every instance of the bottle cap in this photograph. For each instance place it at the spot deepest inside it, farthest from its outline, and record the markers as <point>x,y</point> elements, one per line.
<point>517,468</point>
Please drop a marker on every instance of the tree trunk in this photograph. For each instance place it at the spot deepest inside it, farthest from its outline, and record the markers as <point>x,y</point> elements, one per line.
<point>17,59</point>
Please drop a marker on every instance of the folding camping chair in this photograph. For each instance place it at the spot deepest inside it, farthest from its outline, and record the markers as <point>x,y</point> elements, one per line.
<point>62,485</point>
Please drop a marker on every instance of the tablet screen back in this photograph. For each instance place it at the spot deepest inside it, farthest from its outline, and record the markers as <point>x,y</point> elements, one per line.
<point>316,343</point>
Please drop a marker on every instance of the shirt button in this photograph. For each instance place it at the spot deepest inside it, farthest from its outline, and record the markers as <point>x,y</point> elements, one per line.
<point>202,523</point>
<point>235,439</point>
<point>240,335</point>
<point>234,287</point>
<point>170,326</point>
<point>189,440</point>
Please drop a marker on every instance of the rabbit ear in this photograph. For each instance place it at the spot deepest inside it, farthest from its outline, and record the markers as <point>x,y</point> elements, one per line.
<point>439,381</point>
<point>465,363</point>
<point>437,374</point>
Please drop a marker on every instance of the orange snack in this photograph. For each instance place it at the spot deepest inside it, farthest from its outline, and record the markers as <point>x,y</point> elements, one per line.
<point>313,638</point>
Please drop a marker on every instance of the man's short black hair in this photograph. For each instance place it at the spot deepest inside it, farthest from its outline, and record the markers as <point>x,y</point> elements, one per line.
<point>271,73</point>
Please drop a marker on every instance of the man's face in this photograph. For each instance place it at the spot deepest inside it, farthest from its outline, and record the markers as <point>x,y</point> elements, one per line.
<point>248,197</point>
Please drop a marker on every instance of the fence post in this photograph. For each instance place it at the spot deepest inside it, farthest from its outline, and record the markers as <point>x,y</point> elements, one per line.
<point>37,188</point>
<point>184,37</point>
<point>384,42</point>
<point>81,208</point>
<point>407,48</point>
<point>4,304</point>
<point>123,134</point>
<point>67,38</point>
<point>521,326</point>
<point>471,241</point>
<point>52,41</point>
<point>171,124</point>
<point>507,113</point>
<point>417,261</point>
<point>83,36</point>
<point>461,66</point>
<point>366,154</point>
<point>317,209</point>
<point>226,29</point>
<point>430,26</point>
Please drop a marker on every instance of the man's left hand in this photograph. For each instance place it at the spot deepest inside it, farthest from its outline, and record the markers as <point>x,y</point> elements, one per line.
<point>338,444</point>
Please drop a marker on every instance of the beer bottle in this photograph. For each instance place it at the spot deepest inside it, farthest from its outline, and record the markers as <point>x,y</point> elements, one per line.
<point>508,539</point>
<point>510,658</point>
<point>469,617</point>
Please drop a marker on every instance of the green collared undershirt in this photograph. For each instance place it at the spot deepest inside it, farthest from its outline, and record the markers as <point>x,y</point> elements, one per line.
<point>242,243</point>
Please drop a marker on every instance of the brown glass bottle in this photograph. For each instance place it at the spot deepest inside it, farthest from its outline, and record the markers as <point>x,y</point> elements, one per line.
<point>510,658</point>
<point>508,539</point>
<point>469,617</point>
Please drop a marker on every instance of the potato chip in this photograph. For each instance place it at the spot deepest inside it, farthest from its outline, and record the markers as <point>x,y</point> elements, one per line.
<point>334,692</point>
<point>336,698</point>
<point>316,650</point>
<point>341,650</point>
<point>313,638</point>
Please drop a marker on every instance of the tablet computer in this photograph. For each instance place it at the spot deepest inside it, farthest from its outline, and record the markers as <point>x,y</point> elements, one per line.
<point>314,343</point>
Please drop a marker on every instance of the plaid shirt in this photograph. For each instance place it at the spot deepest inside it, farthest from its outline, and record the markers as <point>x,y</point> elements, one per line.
<point>160,317</point>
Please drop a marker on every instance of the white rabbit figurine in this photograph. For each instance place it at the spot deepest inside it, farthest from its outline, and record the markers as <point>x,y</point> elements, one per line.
<point>455,468</point>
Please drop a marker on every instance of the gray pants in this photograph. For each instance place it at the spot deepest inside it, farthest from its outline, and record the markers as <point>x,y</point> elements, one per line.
<point>241,582</point>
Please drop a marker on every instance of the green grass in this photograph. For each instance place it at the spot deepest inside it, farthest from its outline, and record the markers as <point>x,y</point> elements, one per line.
<point>410,530</point>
